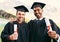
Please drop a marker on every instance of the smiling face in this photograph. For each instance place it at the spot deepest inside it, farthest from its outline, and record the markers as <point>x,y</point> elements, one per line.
<point>38,12</point>
<point>20,16</point>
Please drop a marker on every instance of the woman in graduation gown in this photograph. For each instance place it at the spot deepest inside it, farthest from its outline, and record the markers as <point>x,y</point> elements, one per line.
<point>38,30</point>
<point>21,33</point>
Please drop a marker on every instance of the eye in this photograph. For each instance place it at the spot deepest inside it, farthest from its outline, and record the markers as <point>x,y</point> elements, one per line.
<point>34,10</point>
<point>23,14</point>
<point>19,13</point>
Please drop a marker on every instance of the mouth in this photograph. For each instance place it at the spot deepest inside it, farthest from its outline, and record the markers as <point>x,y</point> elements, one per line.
<point>20,17</point>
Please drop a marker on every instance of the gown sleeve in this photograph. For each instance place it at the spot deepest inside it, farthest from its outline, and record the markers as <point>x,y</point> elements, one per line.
<point>55,28</point>
<point>5,33</point>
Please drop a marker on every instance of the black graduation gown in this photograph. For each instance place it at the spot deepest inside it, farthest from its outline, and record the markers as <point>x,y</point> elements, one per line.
<point>38,31</point>
<point>9,29</point>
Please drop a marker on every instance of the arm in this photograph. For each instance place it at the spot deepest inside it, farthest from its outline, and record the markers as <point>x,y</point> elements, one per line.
<point>56,31</point>
<point>5,32</point>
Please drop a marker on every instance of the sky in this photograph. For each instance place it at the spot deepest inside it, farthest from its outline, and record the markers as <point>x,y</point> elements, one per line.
<point>51,10</point>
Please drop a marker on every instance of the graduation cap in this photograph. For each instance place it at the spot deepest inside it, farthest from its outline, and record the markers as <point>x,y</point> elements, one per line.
<point>21,8</point>
<point>38,4</point>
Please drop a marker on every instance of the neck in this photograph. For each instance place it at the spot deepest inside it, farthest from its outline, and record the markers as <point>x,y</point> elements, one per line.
<point>19,21</point>
<point>40,17</point>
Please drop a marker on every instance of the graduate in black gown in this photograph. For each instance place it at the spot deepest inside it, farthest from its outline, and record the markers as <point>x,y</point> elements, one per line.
<point>8,34</point>
<point>38,30</point>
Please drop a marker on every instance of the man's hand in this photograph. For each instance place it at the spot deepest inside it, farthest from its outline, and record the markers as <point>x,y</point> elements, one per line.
<point>13,36</point>
<point>53,34</point>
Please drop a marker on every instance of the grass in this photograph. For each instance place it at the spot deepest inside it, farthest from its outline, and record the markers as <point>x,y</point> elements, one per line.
<point>0,39</point>
<point>0,33</point>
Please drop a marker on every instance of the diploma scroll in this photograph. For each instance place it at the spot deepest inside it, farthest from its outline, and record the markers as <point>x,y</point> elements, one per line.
<point>48,24</point>
<point>49,28</point>
<point>15,27</point>
<point>15,32</point>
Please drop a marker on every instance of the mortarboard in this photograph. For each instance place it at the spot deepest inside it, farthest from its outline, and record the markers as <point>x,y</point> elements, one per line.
<point>21,8</point>
<point>38,4</point>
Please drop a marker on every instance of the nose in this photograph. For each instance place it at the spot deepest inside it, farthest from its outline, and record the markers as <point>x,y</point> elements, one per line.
<point>36,12</point>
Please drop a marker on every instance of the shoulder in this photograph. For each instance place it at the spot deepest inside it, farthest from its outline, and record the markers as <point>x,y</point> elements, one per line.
<point>31,21</point>
<point>9,23</point>
<point>51,21</point>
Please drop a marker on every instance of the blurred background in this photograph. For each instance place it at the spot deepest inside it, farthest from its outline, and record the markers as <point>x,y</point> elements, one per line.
<point>8,13</point>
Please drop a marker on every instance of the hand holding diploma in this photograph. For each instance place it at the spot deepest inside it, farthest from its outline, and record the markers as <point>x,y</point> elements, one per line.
<point>51,33</point>
<point>14,36</point>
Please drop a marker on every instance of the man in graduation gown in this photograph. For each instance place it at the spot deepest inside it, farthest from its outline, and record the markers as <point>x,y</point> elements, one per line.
<point>8,34</point>
<point>38,30</point>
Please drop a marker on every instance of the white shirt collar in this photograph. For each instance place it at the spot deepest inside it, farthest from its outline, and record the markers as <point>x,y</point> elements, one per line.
<point>40,18</point>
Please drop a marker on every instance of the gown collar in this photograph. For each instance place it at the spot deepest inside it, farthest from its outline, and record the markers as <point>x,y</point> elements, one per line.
<point>40,18</point>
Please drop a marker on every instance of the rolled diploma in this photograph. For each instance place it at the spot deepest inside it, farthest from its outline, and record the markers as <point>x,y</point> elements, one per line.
<point>48,24</point>
<point>15,31</point>
<point>15,27</point>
